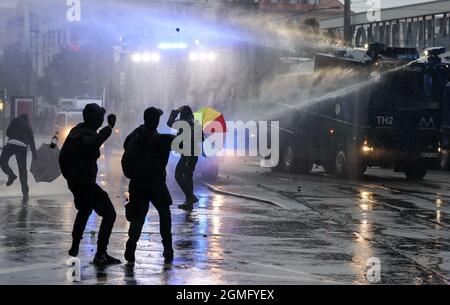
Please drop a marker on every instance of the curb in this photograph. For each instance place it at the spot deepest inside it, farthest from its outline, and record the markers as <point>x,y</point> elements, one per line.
<point>217,190</point>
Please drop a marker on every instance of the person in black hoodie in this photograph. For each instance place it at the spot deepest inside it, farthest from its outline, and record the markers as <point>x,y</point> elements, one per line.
<point>20,136</point>
<point>144,162</point>
<point>78,161</point>
<point>186,165</point>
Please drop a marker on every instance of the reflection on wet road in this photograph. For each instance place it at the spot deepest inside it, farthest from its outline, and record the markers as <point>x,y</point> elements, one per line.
<point>229,240</point>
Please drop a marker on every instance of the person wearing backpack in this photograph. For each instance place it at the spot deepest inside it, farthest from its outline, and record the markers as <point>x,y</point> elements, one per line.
<point>78,162</point>
<point>144,163</point>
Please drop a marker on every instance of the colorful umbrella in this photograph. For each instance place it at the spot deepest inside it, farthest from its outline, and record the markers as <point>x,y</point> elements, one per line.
<point>206,116</point>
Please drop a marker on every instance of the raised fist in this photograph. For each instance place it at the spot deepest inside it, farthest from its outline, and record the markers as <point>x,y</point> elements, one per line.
<point>112,120</point>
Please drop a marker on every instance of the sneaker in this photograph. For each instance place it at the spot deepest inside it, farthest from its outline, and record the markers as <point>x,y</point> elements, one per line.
<point>187,206</point>
<point>105,259</point>
<point>11,180</point>
<point>129,252</point>
<point>168,255</point>
<point>74,250</point>
<point>193,199</point>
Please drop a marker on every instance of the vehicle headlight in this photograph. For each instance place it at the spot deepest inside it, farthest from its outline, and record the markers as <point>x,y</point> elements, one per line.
<point>202,56</point>
<point>136,57</point>
<point>66,132</point>
<point>367,148</point>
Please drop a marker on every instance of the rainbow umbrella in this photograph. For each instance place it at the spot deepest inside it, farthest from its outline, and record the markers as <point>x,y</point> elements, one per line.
<point>206,116</point>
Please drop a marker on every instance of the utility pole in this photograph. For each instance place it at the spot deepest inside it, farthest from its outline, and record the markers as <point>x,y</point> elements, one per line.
<point>347,23</point>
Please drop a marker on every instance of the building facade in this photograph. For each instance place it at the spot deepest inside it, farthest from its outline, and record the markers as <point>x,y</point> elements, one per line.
<point>418,25</point>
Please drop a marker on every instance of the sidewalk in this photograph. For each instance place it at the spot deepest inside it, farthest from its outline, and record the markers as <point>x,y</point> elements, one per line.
<point>249,183</point>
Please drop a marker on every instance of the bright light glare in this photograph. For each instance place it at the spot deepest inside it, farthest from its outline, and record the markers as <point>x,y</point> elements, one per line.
<point>172,46</point>
<point>146,57</point>
<point>136,57</point>
<point>202,56</point>
<point>67,131</point>
<point>155,57</point>
<point>193,56</point>
<point>211,56</point>
<point>366,148</point>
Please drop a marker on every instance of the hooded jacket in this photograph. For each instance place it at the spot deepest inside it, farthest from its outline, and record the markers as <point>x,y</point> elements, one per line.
<point>147,153</point>
<point>80,151</point>
<point>19,129</point>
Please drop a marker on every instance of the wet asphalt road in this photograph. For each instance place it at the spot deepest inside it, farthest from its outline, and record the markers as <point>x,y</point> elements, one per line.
<point>325,232</point>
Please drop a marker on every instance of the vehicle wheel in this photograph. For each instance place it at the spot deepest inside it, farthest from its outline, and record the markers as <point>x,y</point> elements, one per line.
<point>416,173</point>
<point>288,160</point>
<point>340,166</point>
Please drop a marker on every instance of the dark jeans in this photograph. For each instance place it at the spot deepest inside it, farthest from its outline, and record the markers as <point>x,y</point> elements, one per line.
<point>21,156</point>
<point>184,175</point>
<point>90,197</point>
<point>141,193</point>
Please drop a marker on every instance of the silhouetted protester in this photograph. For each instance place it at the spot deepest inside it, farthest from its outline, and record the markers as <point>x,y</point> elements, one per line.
<point>78,161</point>
<point>20,136</point>
<point>144,163</point>
<point>186,165</point>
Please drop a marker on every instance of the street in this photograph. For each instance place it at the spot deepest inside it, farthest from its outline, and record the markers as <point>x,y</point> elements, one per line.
<point>301,142</point>
<point>251,226</point>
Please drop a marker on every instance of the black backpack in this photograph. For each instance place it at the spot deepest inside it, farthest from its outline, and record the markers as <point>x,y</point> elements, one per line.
<point>143,157</point>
